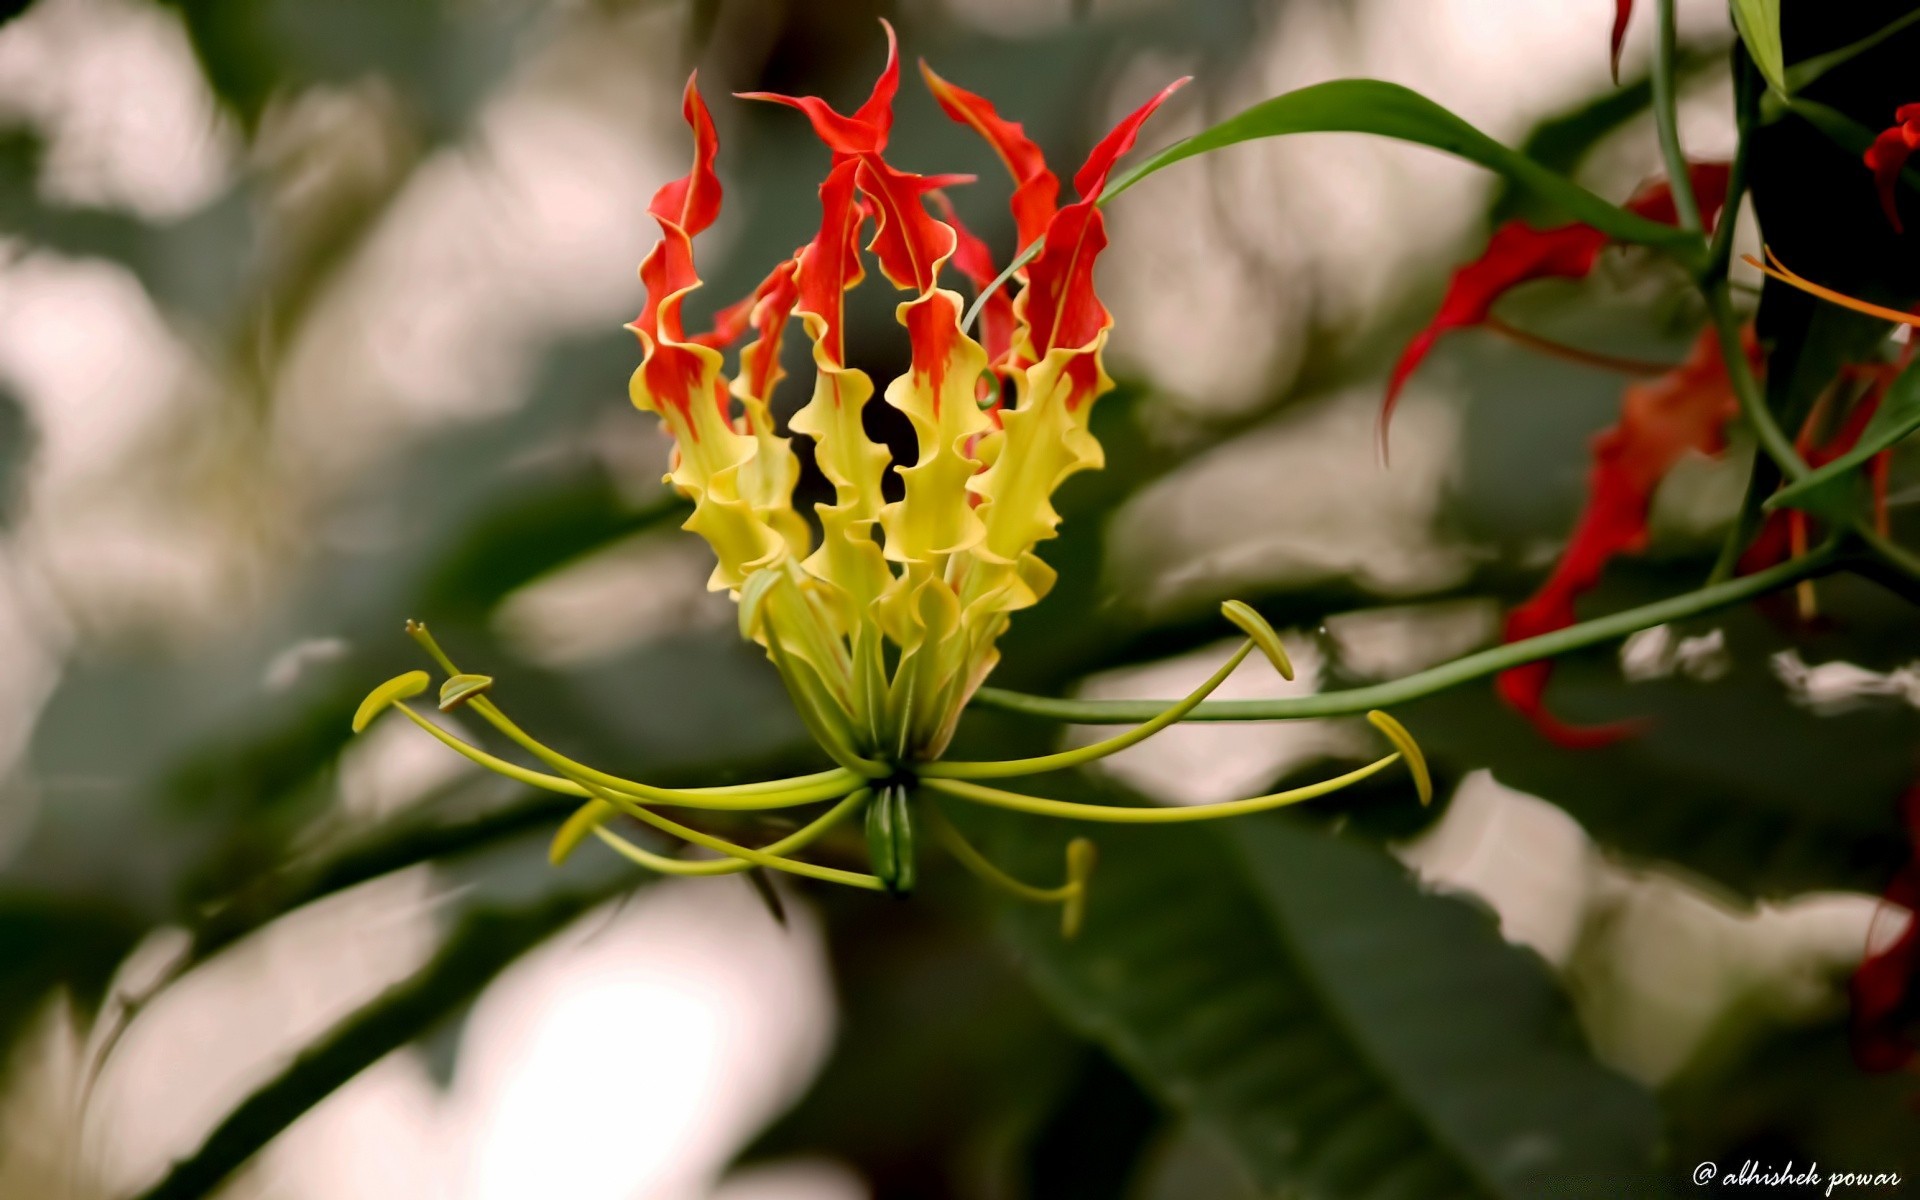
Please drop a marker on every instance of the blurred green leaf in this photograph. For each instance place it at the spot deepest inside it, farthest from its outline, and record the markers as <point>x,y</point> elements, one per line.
<point>1759,25</point>
<point>1347,1034</point>
<point>1563,141</point>
<point>1389,110</point>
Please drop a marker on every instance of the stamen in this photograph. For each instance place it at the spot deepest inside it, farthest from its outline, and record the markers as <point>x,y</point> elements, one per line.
<point>1410,749</point>
<point>1779,271</point>
<point>1086,754</point>
<point>1081,857</point>
<point>393,691</point>
<point>1255,626</point>
<point>680,797</point>
<point>753,797</point>
<point>1117,815</point>
<point>580,824</point>
<point>458,689</point>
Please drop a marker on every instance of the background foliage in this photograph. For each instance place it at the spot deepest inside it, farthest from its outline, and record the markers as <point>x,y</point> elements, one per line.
<point>1274,1008</point>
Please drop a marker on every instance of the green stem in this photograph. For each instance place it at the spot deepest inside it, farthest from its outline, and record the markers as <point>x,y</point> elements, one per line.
<point>1685,205</point>
<point>1819,561</point>
<point>1746,387</point>
<point>1746,99</point>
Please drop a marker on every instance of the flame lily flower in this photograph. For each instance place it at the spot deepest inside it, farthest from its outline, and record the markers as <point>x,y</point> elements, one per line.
<point>882,630</point>
<point>1518,253</point>
<point>1888,155</point>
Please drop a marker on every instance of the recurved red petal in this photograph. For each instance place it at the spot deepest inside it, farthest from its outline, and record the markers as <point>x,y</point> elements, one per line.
<point>1622,13</point>
<point>1092,175</point>
<point>1036,192</point>
<point>975,260</point>
<point>693,201</point>
<point>867,130</point>
<point>830,263</point>
<point>772,303</point>
<point>1060,305</point>
<point>1886,158</point>
<point>1660,422</point>
<point>1516,254</point>
<point>908,240</point>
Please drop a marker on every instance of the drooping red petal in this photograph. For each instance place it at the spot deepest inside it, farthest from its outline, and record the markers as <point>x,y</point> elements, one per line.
<point>681,208</point>
<point>1061,307</point>
<point>830,263</point>
<point>1886,158</point>
<point>693,201</point>
<point>771,304</point>
<point>1036,192</point>
<point>908,240</point>
<point>1518,253</point>
<point>867,130</point>
<point>1092,175</point>
<point>1660,422</point>
<point>1622,13</point>
<point>1885,989</point>
<point>975,260</point>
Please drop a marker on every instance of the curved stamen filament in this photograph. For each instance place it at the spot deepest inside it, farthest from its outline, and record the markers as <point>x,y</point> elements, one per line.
<point>1085,754</point>
<point>801,837</point>
<point>976,862</point>
<point>1779,271</point>
<point>752,797</point>
<point>758,858</point>
<point>1118,815</point>
<point>682,797</point>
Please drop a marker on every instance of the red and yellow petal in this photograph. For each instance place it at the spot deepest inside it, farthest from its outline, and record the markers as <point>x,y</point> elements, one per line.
<point>1036,192</point>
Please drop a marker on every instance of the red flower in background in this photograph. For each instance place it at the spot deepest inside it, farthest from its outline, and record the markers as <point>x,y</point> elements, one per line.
<point>1622,13</point>
<point>1661,421</point>
<point>1518,253</point>
<point>1886,987</point>
<point>1888,155</point>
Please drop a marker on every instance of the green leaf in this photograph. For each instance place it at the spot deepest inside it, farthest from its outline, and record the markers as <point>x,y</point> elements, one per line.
<point>1759,25</point>
<point>1826,489</point>
<point>1389,110</point>
<point>1349,1035</point>
<point>1804,72</point>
